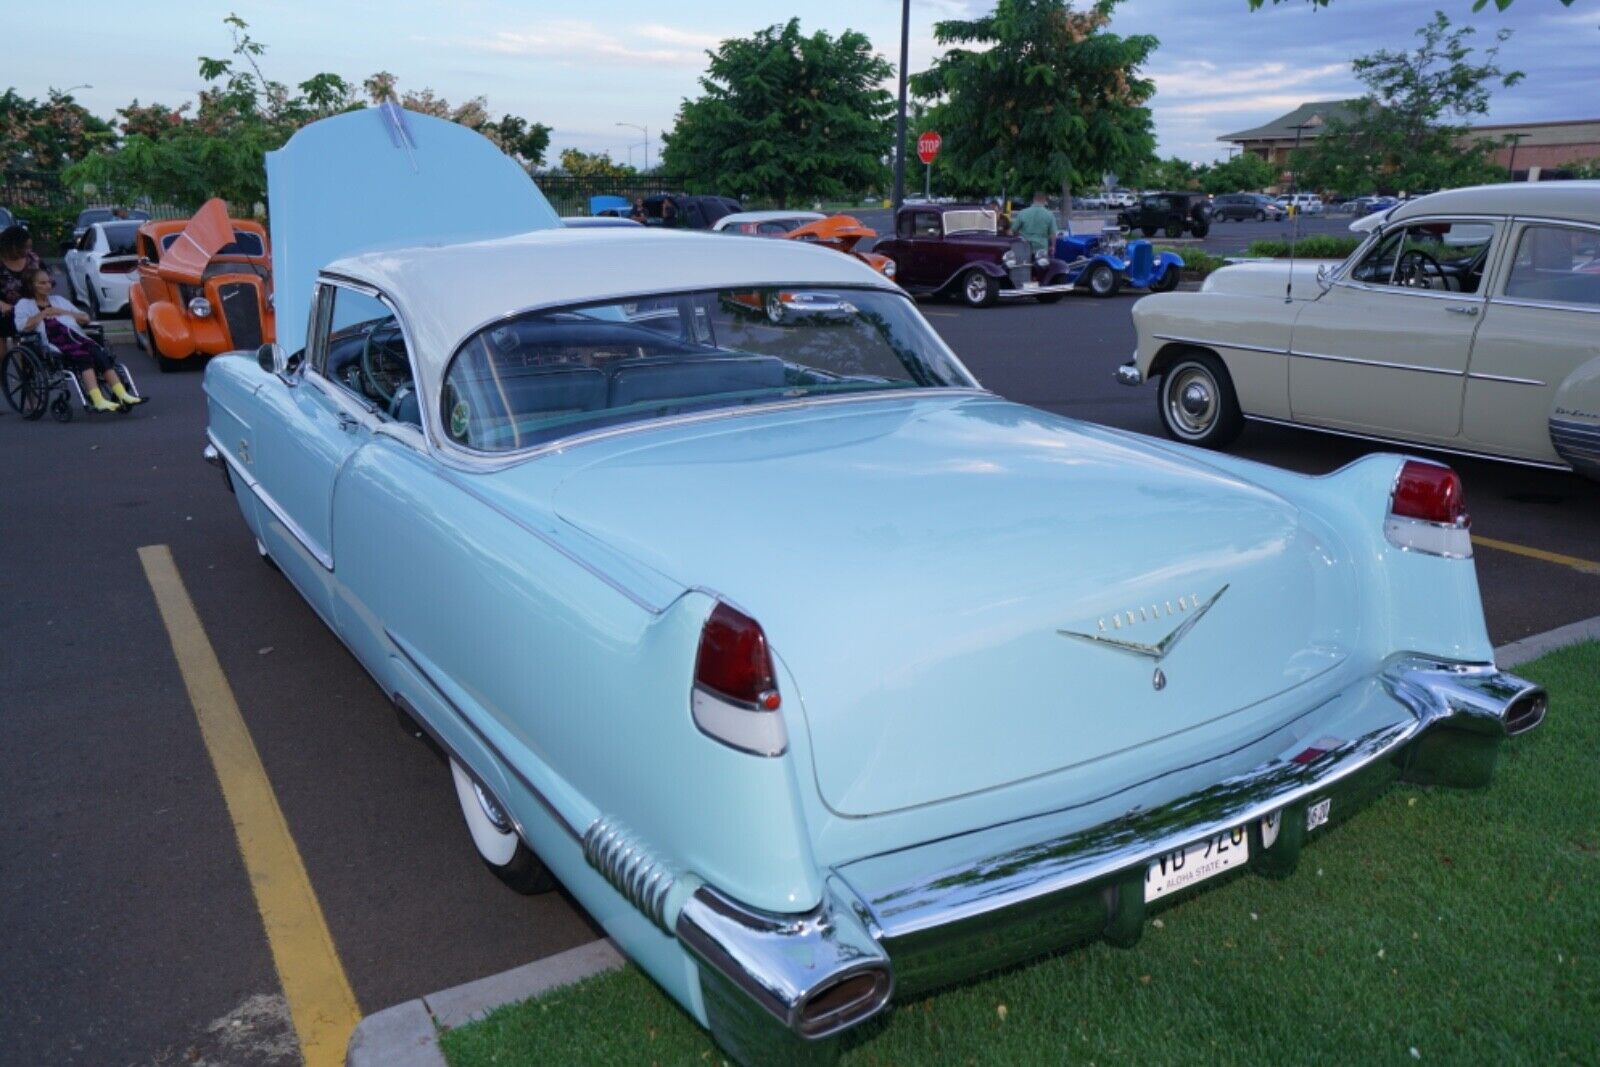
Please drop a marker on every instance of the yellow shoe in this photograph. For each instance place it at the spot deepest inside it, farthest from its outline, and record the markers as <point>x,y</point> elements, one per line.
<point>120,391</point>
<point>98,401</point>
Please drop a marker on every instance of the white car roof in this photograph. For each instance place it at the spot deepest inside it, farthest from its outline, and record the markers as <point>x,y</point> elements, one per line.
<point>447,292</point>
<point>764,216</point>
<point>1576,200</point>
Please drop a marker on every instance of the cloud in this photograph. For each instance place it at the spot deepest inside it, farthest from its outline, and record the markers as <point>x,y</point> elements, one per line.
<point>577,42</point>
<point>1207,79</point>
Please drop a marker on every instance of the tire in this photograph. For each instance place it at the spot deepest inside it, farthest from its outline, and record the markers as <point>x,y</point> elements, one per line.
<point>977,289</point>
<point>502,850</point>
<point>1103,282</point>
<point>25,383</point>
<point>166,364</point>
<point>94,306</point>
<point>1261,216</point>
<point>1166,281</point>
<point>1200,229</point>
<point>1197,403</point>
<point>1173,229</point>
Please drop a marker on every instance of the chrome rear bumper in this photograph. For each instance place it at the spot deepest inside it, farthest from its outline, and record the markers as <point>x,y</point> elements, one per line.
<point>910,921</point>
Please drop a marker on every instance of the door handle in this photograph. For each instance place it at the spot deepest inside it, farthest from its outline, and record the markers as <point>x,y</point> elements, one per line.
<point>1460,309</point>
<point>348,422</point>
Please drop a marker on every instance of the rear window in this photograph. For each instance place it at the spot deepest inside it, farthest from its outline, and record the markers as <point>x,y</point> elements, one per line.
<point>244,243</point>
<point>545,375</point>
<point>121,236</point>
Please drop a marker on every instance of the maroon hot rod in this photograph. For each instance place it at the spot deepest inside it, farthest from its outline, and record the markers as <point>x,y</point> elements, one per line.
<point>958,250</point>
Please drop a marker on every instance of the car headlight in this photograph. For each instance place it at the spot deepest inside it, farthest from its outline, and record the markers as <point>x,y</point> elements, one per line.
<point>1009,259</point>
<point>200,307</point>
<point>888,269</point>
<point>1042,259</point>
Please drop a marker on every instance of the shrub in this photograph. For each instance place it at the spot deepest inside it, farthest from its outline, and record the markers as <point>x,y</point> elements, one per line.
<point>1196,264</point>
<point>1317,246</point>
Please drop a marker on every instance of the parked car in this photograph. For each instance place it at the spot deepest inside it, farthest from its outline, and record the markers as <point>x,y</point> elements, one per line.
<point>89,216</point>
<point>1169,213</point>
<point>957,250</point>
<point>847,234</point>
<point>1105,262</point>
<point>597,222</point>
<point>748,747</point>
<point>1466,322</point>
<point>688,212</point>
<point>765,223</point>
<point>102,265</point>
<point>1305,203</point>
<point>1242,206</point>
<point>204,286</point>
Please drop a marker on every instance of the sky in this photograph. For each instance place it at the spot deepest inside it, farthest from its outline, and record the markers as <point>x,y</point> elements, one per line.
<point>585,69</point>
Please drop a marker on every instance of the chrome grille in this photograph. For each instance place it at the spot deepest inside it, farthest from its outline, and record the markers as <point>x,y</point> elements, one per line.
<point>1021,276</point>
<point>241,312</point>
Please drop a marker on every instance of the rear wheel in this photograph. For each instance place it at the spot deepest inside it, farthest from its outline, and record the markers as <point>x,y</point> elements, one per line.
<point>94,305</point>
<point>1173,229</point>
<point>1197,402</point>
<point>1166,281</point>
<point>26,382</point>
<point>1261,216</point>
<point>1103,281</point>
<point>495,836</point>
<point>978,290</point>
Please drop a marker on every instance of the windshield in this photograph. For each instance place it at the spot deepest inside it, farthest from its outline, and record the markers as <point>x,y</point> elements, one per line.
<point>90,216</point>
<point>244,243</point>
<point>970,221</point>
<point>550,374</point>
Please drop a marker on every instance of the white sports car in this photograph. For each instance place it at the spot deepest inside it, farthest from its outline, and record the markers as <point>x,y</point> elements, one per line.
<point>102,265</point>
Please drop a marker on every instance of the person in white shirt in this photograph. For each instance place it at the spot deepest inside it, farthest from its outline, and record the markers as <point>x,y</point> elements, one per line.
<point>60,326</point>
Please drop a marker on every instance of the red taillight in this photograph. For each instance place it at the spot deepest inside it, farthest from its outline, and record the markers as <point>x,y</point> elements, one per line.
<point>1430,492</point>
<point>733,661</point>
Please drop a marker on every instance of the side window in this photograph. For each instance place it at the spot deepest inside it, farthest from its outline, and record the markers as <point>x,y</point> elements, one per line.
<point>1558,265</point>
<point>905,225</point>
<point>361,347</point>
<point>927,224</point>
<point>147,249</point>
<point>86,242</point>
<point>1440,256</point>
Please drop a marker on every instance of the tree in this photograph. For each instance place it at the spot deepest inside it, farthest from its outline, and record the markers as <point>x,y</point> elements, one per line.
<point>1407,132</point>
<point>593,165</point>
<point>173,156</point>
<point>786,117</point>
<point>1477,5</point>
<point>1173,173</point>
<point>49,133</point>
<point>1041,97</point>
<point>1244,172</point>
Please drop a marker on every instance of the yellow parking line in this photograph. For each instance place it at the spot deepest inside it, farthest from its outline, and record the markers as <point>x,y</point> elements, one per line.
<point>1582,565</point>
<point>321,1003</point>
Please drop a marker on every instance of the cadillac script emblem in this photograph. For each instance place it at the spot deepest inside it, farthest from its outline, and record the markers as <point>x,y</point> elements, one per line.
<point>1108,628</point>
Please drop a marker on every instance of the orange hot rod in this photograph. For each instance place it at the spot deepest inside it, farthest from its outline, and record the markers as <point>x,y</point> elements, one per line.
<point>847,234</point>
<point>204,286</point>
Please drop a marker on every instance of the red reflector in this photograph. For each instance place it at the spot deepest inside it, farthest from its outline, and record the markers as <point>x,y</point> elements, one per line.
<point>1431,492</point>
<point>1309,754</point>
<point>733,660</point>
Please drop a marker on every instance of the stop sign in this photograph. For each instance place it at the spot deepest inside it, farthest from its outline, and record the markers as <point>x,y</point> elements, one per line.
<point>928,146</point>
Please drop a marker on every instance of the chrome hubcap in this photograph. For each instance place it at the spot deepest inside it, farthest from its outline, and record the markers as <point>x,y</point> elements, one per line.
<point>1192,401</point>
<point>1101,282</point>
<point>491,810</point>
<point>977,288</point>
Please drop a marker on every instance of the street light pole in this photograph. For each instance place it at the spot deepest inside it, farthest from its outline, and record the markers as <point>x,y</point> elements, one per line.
<point>646,131</point>
<point>1511,164</point>
<point>900,115</point>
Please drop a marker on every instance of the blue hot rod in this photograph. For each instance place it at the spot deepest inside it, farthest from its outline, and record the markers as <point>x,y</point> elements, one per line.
<point>1105,262</point>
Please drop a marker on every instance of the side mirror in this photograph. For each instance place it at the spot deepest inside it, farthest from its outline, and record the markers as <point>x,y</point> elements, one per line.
<point>1324,278</point>
<point>272,359</point>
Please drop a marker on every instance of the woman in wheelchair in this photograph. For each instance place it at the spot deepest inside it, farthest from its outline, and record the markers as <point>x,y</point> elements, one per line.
<point>60,326</point>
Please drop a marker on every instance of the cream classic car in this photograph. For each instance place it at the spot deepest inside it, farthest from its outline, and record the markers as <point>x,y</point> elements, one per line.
<point>1468,321</point>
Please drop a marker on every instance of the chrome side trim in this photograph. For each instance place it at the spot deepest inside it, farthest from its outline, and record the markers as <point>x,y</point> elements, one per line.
<point>560,818</point>
<point>321,555</point>
<point>1379,439</point>
<point>1420,368</point>
<point>1545,305</point>
<point>632,870</point>
<point>1508,379</point>
<point>785,962</point>
<point>1220,344</point>
<point>1406,290</point>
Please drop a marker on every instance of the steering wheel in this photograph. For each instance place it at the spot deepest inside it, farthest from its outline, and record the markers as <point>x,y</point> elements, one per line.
<point>1413,269</point>
<point>384,367</point>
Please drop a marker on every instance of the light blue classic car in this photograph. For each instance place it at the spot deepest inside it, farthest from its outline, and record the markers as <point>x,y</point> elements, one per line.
<point>819,675</point>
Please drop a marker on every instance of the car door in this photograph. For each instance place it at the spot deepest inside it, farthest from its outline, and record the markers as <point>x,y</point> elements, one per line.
<point>312,422</point>
<point>1384,350</point>
<point>924,237</point>
<point>1543,322</point>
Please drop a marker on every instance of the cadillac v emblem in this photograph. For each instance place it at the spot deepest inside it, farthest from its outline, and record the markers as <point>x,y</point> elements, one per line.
<point>1190,608</point>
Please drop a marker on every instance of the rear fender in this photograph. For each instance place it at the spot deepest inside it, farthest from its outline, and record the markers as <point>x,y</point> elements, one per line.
<point>1575,419</point>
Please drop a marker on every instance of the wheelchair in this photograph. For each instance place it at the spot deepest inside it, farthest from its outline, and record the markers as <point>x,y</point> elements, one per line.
<point>36,378</point>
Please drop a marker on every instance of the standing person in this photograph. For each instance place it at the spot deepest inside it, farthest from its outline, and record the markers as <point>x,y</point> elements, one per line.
<point>60,325</point>
<point>669,212</point>
<point>17,264</point>
<point>1037,224</point>
<point>638,213</point>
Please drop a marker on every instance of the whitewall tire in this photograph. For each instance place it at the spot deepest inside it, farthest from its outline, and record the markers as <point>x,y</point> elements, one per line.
<point>495,837</point>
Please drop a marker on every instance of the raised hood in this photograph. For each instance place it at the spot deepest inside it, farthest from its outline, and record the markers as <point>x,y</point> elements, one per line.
<point>913,562</point>
<point>208,231</point>
<point>383,177</point>
<point>1268,278</point>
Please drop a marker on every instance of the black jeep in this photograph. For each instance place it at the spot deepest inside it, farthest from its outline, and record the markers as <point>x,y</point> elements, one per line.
<point>1169,214</point>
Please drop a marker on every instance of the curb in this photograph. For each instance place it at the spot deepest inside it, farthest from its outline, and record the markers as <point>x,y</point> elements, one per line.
<point>407,1035</point>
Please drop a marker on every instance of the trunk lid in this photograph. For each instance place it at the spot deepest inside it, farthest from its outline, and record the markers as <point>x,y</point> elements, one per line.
<point>914,563</point>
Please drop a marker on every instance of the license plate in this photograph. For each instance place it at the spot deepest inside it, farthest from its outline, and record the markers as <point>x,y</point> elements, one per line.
<point>1185,867</point>
<point>1030,285</point>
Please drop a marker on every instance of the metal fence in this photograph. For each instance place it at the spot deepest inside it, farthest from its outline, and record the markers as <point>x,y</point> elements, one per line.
<point>569,194</point>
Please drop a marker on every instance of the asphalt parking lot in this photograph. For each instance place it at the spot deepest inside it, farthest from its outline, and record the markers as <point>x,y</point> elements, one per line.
<point>132,933</point>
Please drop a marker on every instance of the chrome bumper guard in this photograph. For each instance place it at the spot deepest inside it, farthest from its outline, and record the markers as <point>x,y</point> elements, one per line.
<point>771,978</point>
<point>1036,290</point>
<point>1129,373</point>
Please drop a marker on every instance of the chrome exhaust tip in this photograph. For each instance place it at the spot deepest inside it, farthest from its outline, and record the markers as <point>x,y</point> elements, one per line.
<point>1526,711</point>
<point>843,1002</point>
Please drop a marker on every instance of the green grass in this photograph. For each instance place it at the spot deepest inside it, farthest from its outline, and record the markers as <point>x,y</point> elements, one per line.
<point>1462,925</point>
<point>1196,263</point>
<point>1316,246</point>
